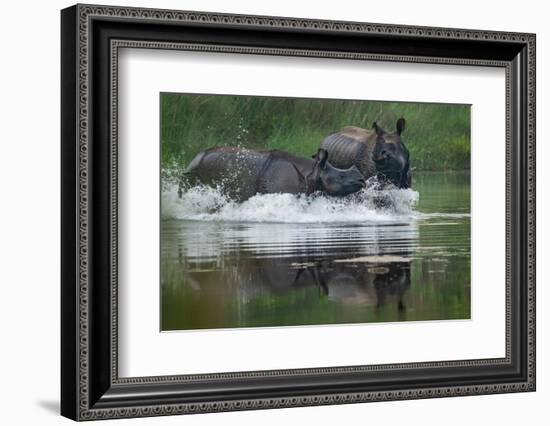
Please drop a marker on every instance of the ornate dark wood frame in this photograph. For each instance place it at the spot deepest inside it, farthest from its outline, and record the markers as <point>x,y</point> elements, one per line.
<point>91,37</point>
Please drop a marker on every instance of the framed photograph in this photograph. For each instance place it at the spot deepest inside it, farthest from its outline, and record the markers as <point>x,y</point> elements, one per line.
<point>263,212</point>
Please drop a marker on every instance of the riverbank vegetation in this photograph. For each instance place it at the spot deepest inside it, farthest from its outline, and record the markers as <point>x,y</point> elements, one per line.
<point>436,135</point>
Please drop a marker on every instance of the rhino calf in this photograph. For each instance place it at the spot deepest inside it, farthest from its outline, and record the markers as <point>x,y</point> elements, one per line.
<point>243,173</point>
<point>375,152</point>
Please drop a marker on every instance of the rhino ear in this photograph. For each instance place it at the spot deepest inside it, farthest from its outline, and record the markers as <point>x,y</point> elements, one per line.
<point>400,125</point>
<point>322,157</point>
<point>377,128</point>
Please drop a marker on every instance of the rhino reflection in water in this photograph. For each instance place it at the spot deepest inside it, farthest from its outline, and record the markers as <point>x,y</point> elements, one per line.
<point>359,282</point>
<point>369,281</point>
<point>387,281</point>
<point>243,173</point>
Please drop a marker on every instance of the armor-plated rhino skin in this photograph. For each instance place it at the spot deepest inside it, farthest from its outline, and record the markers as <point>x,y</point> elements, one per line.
<point>243,173</point>
<point>375,152</point>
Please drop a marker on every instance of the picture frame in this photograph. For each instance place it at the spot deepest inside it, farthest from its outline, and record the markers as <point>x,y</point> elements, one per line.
<point>90,384</point>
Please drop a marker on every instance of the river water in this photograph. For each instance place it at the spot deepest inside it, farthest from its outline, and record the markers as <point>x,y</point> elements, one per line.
<point>281,260</point>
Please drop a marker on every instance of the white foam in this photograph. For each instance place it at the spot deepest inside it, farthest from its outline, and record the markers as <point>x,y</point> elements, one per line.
<point>210,204</point>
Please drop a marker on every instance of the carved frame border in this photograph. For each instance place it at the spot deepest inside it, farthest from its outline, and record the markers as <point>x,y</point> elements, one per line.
<point>85,13</point>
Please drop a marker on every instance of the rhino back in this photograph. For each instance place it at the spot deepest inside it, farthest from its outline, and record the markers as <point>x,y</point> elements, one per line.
<point>281,176</point>
<point>359,134</point>
<point>352,146</point>
<point>235,170</point>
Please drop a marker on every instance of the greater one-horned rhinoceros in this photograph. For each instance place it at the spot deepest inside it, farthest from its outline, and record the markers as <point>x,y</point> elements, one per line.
<point>374,152</point>
<point>242,173</point>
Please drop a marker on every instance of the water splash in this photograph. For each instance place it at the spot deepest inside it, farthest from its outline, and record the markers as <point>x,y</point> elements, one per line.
<point>370,204</point>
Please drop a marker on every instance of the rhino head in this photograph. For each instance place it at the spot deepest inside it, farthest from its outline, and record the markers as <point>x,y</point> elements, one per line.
<point>334,181</point>
<point>391,155</point>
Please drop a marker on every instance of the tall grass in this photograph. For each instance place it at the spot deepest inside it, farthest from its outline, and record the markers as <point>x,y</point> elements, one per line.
<point>437,135</point>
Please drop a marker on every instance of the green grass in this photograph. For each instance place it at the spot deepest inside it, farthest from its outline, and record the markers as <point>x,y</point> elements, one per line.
<point>437,135</point>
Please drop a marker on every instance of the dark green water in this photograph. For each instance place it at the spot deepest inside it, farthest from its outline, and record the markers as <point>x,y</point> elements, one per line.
<point>390,267</point>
